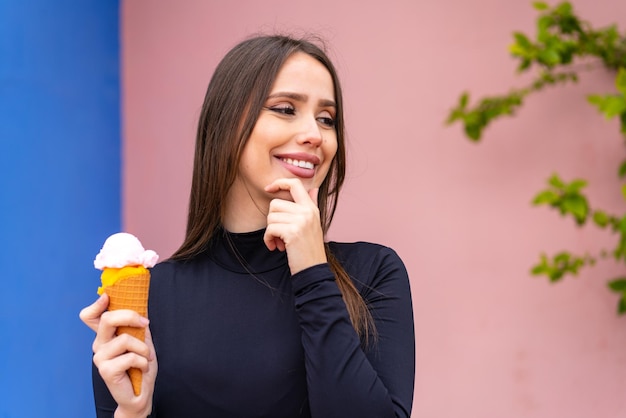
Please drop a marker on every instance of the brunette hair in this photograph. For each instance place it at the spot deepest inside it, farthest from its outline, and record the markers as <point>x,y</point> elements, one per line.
<point>234,98</point>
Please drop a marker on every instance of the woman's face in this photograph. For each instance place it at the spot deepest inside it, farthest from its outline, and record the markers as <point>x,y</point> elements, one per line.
<point>294,136</point>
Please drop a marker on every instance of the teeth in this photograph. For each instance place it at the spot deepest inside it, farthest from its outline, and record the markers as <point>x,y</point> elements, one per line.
<point>297,163</point>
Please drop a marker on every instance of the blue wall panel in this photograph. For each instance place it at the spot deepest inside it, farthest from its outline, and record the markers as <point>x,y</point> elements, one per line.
<point>59,195</point>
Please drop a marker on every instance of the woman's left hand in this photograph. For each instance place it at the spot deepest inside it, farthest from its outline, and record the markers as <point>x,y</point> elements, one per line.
<point>295,226</point>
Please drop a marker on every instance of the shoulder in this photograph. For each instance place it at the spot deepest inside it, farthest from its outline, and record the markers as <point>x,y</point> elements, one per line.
<point>171,267</point>
<point>359,249</point>
<point>363,253</point>
<point>172,282</point>
<point>168,274</point>
<point>165,269</point>
<point>369,264</point>
<point>162,277</point>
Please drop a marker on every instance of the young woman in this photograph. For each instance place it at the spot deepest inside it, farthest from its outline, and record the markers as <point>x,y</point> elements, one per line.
<point>256,315</point>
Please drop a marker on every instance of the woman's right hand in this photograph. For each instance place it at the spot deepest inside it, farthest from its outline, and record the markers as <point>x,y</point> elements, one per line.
<point>115,354</point>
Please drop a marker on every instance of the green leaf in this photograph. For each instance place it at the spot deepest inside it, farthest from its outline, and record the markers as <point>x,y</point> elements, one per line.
<point>622,169</point>
<point>538,270</point>
<point>577,206</point>
<point>516,50</point>
<point>575,186</point>
<point>595,99</point>
<point>556,275</point>
<point>556,181</point>
<point>543,23</point>
<point>524,65</point>
<point>564,9</point>
<point>622,228</point>
<point>463,100</point>
<point>618,285</point>
<point>614,105</point>
<point>522,41</point>
<point>620,250</point>
<point>576,265</point>
<point>549,57</point>
<point>453,117</point>
<point>611,105</point>
<point>546,197</point>
<point>620,81</point>
<point>600,218</point>
<point>473,131</point>
<point>539,5</point>
<point>561,264</point>
<point>624,191</point>
<point>621,305</point>
<point>562,258</point>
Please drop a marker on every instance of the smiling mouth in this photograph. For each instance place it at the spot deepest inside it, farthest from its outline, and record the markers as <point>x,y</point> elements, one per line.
<point>299,163</point>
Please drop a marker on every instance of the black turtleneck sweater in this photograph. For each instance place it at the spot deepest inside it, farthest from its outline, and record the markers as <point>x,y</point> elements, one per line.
<point>236,335</point>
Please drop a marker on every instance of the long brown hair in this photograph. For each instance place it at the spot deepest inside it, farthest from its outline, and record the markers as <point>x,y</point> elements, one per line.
<point>234,98</point>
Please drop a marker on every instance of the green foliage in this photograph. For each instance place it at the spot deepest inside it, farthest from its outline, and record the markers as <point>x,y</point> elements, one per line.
<point>565,197</point>
<point>622,169</point>
<point>489,108</point>
<point>476,119</point>
<point>619,287</point>
<point>561,264</point>
<point>561,40</point>
<point>612,105</point>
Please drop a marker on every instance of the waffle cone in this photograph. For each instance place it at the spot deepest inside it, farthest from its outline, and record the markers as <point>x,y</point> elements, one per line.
<point>130,291</point>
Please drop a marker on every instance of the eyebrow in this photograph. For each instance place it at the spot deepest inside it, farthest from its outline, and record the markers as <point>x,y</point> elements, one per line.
<point>302,98</point>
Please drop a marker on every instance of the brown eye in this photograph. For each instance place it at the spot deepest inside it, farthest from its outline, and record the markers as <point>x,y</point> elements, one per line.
<point>285,110</point>
<point>328,121</point>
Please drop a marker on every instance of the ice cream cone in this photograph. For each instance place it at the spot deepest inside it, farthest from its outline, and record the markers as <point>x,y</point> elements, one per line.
<point>129,291</point>
<point>126,279</point>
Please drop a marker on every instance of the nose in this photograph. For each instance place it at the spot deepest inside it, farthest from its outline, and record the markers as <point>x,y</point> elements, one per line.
<point>310,132</point>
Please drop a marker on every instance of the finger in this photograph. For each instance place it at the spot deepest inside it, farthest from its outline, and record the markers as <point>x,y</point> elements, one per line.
<point>280,217</point>
<point>273,242</point>
<point>121,345</point>
<point>124,318</point>
<point>288,208</point>
<point>111,320</point>
<point>283,211</point>
<point>114,369</point>
<point>293,186</point>
<point>116,358</point>
<point>269,242</point>
<point>281,205</point>
<point>280,212</point>
<point>90,315</point>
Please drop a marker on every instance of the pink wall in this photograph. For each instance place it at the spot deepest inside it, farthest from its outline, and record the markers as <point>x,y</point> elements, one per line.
<point>492,342</point>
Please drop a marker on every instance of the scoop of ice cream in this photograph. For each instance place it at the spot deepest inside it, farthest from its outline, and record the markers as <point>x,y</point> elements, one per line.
<point>124,249</point>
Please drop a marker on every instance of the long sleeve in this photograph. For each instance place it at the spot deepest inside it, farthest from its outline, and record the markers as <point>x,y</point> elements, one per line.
<point>344,380</point>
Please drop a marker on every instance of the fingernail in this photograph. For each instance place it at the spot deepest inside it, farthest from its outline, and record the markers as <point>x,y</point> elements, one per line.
<point>144,321</point>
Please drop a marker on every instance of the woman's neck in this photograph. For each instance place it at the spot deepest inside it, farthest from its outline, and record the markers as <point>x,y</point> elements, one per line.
<point>236,224</point>
<point>244,214</point>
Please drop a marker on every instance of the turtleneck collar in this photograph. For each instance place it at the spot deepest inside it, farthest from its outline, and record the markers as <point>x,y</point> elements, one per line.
<point>245,252</point>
